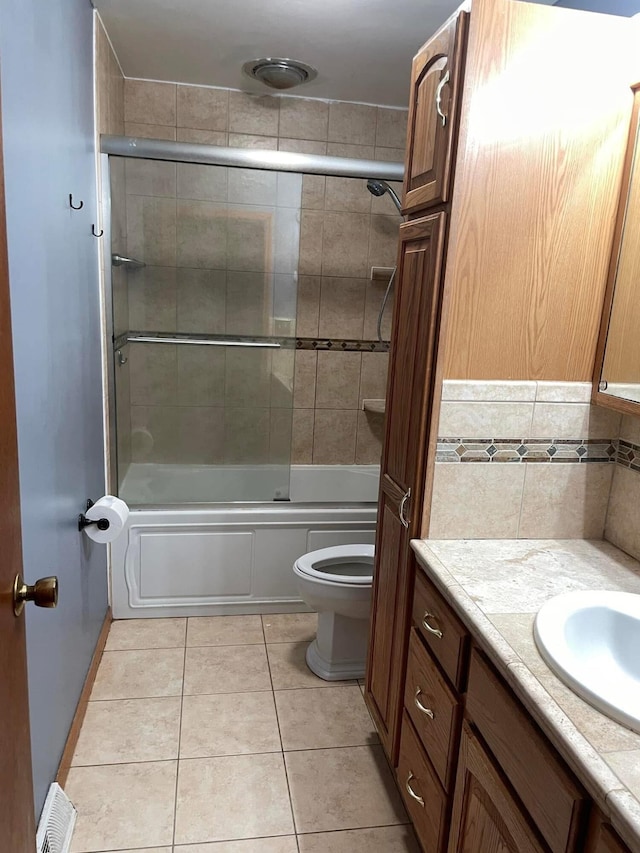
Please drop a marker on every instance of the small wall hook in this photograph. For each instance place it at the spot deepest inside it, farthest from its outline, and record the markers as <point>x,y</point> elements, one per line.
<point>93,231</point>
<point>122,359</point>
<point>75,206</point>
<point>83,521</point>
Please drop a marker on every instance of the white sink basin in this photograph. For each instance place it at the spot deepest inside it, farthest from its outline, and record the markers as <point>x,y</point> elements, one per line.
<point>591,640</point>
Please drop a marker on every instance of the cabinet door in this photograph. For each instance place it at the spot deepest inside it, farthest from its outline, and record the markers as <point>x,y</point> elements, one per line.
<point>399,512</point>
<point>435,84</point>
<point>602,838</point>
<point>415,324</point>
<point>486,817</point>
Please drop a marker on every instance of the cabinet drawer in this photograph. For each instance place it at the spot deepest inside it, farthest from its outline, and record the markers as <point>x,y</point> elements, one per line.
<point>434,709</point>
<point>425,800</point>
<point>545,786</point>
<point>441,630</point>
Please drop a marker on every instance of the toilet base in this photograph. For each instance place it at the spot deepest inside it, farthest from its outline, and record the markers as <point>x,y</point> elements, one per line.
<point>339,652</point>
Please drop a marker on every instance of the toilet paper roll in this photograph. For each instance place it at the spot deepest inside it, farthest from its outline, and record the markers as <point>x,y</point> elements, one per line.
<point>115,511</point>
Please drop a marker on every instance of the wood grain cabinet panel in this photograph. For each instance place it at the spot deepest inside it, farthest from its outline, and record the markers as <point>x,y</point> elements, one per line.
<point>486,816</point>
<point>602,837</point>
<point>435,84</point>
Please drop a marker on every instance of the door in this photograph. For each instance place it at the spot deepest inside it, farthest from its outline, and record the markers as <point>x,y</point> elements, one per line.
<point>486,817</point>
<point>17,821</point>
<point>414,335</point>
<point>435,85</point>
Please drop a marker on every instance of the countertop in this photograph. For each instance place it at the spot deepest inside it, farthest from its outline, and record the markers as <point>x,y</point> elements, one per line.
<point>497,586</point>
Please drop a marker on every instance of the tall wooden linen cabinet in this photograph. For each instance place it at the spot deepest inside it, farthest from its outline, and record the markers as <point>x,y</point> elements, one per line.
<point>513,169</point>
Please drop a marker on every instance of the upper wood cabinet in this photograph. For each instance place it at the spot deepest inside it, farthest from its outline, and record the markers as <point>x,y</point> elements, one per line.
<point>435,83</point>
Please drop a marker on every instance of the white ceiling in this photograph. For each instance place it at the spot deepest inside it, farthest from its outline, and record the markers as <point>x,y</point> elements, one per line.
<point>361,48</point>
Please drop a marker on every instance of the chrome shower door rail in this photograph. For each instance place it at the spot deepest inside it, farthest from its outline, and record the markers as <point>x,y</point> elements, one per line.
<point>202,340</point>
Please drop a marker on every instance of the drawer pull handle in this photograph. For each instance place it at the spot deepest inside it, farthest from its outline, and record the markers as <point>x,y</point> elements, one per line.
<point>420,706</point>
<point>411,792</point>
<point>403,503</point>
<point>435,631</point>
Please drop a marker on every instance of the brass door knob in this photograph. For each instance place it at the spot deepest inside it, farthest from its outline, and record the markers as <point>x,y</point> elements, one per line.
<point>44,593</point>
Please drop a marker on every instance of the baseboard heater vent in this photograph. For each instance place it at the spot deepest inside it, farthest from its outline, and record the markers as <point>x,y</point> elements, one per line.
<point>57,821</point>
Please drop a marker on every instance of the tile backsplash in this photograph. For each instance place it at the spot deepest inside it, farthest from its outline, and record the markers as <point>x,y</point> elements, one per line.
<point>622,526</point>
<point>522,460</point>
<point>344,231</point>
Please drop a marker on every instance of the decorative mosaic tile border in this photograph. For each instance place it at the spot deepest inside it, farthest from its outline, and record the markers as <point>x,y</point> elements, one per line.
<point>566,450</point>
<point>628,455</point>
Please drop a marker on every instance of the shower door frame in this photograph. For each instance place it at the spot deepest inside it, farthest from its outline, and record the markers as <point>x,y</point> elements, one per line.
<point>187,152</point>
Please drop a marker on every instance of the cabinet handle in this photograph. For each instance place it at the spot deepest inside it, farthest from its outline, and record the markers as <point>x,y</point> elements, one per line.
<point>403,503</point>
<point>410,790</point>
<point>435,631</point>
<point>441,86</point>
<point>420,706</point>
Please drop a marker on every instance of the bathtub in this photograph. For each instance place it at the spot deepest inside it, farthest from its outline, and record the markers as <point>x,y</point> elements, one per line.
<point>206,559</point>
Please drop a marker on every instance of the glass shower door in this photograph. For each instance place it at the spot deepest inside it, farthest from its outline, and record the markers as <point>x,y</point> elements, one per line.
<point>204,330</point>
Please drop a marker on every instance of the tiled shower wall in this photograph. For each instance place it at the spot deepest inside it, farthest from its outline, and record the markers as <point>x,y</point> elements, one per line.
<point>344,232</point>
<point>622,525</point>
<point>530,460</point>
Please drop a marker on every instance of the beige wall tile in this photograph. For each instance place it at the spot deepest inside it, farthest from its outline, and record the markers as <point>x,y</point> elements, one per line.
<point>342,308</point>
<point>253,187</point>
<point>352,123</point>
<point>153,374</point>
<point>150,131</point>
<point>313,189</point>
<point>345,244</point>
<point>476,501</point>
<point>311,231</point>
<point>308,306</point>
<point>280,435</point>
<point>390,155</point>
<point>485,420</point>
<point>563,392</point>
<point>373,378</point>
<point>346,149</point>
<point>248,140</point>
<point>250,238</point>
<point>374,295</point>
<point>254,114</point>
<point>282,375</point>
<point>574,420</point>
<point>621,526</point>
<point>201,376</point>
<point>116,96</point>
<point>201,300</point>
<point>202,182</point>
<point>334,437</point>
<point>201,108</point>
<point>304,385</point>
<point>391,127</point>
<point>150,177</point>
<point>383,241</point>
<point>201,435</point>
<point>248,378</point>
<point>302,146</point>
<point>246,436</point>
<point>630,429</point>
<point>338,380</point>
<point>565,501</point>
<point>304,118</point>
<point>369,438</point>
<point>348,194</point>
<point>487,392</point>
<point>154,433</point>
<point>204,137</point>
<point>151,230</point>
<point>302,436</point>
<point>148,102</point>
<point>201,234</point>
<point>153,299</point>
<point>249,299</point>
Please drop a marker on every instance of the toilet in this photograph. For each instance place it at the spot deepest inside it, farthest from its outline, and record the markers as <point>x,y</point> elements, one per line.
<point>337,583</point>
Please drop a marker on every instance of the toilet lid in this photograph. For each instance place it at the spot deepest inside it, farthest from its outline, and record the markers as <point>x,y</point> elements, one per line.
<point>348,564</point>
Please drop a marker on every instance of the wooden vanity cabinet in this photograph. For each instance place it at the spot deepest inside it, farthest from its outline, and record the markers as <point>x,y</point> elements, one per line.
<point>602,837</point>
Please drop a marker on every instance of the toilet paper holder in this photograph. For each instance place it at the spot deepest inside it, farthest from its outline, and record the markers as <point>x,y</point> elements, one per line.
<point>83,521</point>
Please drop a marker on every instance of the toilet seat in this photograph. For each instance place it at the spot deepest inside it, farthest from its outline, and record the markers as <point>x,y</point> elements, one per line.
<point>356,562</point>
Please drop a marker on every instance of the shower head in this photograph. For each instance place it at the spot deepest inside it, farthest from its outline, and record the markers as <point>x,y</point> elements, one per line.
<point>379,188</point>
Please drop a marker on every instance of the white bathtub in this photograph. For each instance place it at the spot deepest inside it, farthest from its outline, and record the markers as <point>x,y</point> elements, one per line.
<point>225,558</point>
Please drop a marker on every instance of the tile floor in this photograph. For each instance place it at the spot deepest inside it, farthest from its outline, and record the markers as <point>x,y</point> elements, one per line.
<point>210,735</point>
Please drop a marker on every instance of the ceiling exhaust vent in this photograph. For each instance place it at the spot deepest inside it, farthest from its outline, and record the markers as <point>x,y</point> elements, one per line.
<point>279,73</point>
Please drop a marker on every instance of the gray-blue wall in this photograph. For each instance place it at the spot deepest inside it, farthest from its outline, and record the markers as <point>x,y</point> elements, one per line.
<point>47,116</point>
<point>612,7</point>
